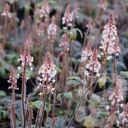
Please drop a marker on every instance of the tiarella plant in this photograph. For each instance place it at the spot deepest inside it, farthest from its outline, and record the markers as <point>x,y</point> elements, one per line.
<point>70,54</point>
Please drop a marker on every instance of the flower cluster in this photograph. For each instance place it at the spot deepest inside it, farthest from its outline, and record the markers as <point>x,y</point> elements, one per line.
<point>26,58</point>
<point>64,44</point>
<point>69,15</point>
<point>52,28</point>
<point>47,71</point>
<point>12,79</point>
<point>117,94</point>
<point>93,66</point>
<point>45,10</point>
<point>109,36</point>
<point>6,11</point>
<point>87,53</point>
<point>1,48</point>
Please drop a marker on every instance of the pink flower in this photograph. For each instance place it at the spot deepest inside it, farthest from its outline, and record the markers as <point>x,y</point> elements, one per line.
<point>117,93</point>
<point>45,10</point>
<point>12,79</point>
<point>87,53</point>
<point>52,28</point>
<point>67,18</point>
<point>64,44</point>
<point>6,11</point>
<point>93,66</point>
<point>26,58</point>
<point>47,71</point>
<point>109,36</point>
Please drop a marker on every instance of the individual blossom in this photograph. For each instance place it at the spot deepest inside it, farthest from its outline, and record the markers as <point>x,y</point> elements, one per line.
<point>40,30</point>
<point>87,53</point>
<point>109,36</point>
<point>6,11</point>
<point>67,18</point>
<point>26,59</point>
<point>45,10</point>
<point>1,48</point>
<point>93,66</point>
<point>52,28</point>
<point>13,79</point>
<point>64,44</point>
<point>47,71</point>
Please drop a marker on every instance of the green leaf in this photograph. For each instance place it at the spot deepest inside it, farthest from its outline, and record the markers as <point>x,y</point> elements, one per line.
<point>81,34</point>
<point>102,82</point>
<point>59,97</point>
<point>35,104</point>
<point>58,69</point>
<point>27,7</point>
<point>75,78</point>
<point>124,74</point>
<point>3,114</point>
<point>29,73</point>
<point>72,34</point>
<point>74,81</point>
<point>2,94</point>
<point>89,122</point>
<point>68,95</point>
<point>52,2</point>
